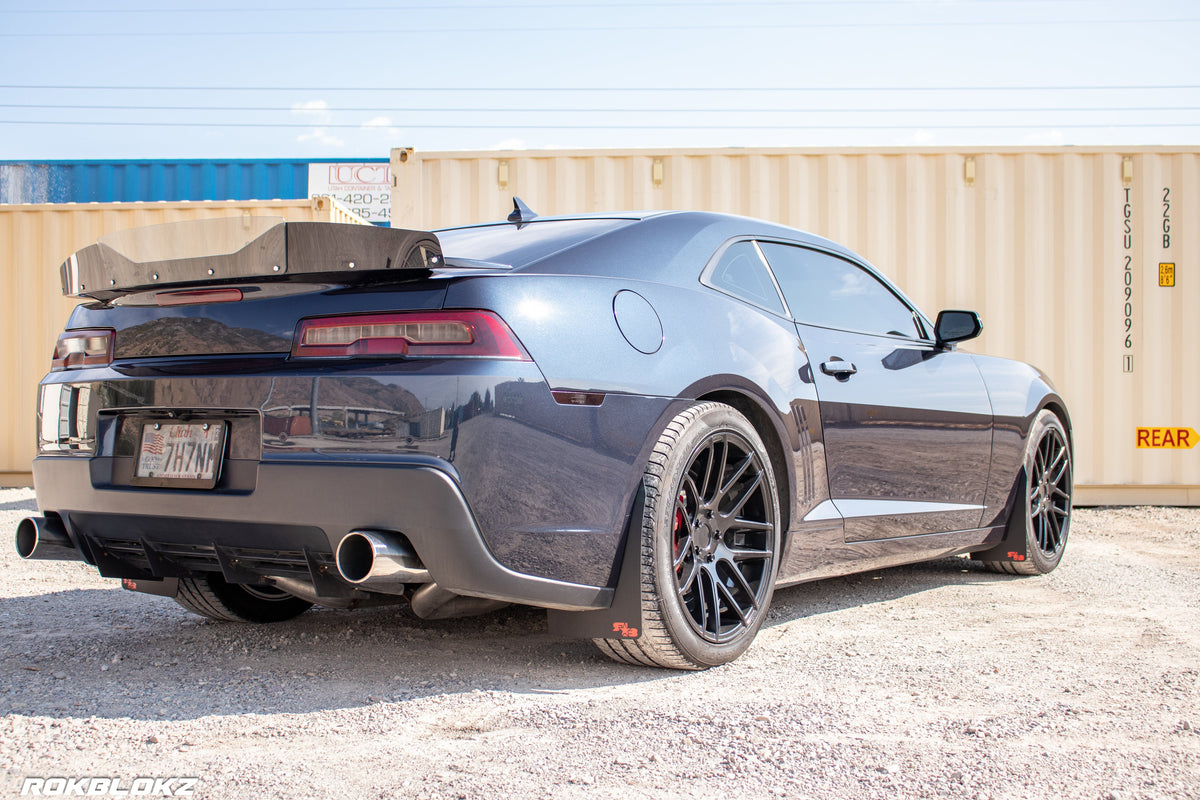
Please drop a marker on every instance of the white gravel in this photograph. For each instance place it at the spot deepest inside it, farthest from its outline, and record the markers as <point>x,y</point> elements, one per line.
<point>933,680</point>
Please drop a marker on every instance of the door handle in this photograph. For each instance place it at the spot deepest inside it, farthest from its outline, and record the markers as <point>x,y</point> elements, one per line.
<point>838,368</point>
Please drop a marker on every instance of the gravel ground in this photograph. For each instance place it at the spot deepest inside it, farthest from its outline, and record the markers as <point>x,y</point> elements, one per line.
<point>933,680</point>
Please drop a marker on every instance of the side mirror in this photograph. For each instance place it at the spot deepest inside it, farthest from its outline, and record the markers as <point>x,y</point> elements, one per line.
<point>956,326</point>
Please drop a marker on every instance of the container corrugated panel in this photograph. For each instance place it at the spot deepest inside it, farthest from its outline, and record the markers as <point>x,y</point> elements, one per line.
<point>34,241</point>
<point>151,181</point>
<point>1037,240</point>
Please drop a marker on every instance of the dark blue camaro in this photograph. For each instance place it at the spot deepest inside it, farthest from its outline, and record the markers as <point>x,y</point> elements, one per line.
<point>642,422</point>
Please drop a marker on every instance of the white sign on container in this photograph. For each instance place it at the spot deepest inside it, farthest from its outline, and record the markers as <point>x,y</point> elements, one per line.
<point>364,187</point>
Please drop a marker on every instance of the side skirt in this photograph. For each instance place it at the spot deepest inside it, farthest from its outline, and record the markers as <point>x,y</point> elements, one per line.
<point>814,558</point>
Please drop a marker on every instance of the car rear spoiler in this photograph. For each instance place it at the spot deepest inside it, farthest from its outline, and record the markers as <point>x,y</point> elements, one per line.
<point>238,249</point>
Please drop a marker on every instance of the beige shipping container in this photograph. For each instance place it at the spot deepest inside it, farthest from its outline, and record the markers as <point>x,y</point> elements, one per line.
<point>34,241</point>
<point>1082,261</point>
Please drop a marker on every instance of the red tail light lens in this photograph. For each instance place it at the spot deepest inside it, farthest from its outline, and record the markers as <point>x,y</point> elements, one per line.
<point>76,349</point>
<point>418,334</point>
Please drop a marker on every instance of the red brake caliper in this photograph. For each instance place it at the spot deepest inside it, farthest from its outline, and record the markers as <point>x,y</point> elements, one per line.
<point>681,531</point>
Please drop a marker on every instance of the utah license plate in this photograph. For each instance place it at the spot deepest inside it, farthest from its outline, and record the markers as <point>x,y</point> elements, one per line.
<point>180,454</point>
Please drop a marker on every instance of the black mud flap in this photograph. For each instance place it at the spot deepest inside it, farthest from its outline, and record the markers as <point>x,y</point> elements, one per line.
<point>1014,545</point>
<point>623,619</point>
<point>166,587</point>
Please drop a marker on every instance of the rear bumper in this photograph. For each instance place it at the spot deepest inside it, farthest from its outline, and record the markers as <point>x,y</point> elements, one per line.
<point>291,523</point>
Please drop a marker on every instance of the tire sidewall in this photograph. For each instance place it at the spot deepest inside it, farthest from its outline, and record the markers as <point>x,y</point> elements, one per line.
<point>659,525</point>
<point>1046,421</point>
<point>251,608</point>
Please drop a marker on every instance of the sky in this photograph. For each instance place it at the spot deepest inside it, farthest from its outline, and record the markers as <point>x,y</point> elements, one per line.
<point>263,79</point>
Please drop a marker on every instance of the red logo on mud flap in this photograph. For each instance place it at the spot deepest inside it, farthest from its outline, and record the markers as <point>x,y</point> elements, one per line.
<point>625,631</point>
<point>1016,557</point>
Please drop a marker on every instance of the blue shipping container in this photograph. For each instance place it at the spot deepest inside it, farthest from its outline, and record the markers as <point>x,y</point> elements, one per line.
<point>149,181</point>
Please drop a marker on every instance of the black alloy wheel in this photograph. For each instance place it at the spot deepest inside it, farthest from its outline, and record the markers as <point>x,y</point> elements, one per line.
<point>709,542</point>
<point>723,537</point>
<point>1046,510</point>
<point>1050,492</point>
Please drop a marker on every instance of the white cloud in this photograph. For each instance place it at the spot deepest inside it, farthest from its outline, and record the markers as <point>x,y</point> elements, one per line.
<point>318,114</point>
<point>384,125</point>
<point>509,144</point>
<point>317,108</point>
<point>321,136</point>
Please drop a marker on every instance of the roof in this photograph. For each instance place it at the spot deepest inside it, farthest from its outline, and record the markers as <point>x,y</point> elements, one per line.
<point>655,245</point>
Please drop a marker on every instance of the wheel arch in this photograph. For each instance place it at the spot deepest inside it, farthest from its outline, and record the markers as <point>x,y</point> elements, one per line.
<point>773,436</point>
<point>1055,404</point>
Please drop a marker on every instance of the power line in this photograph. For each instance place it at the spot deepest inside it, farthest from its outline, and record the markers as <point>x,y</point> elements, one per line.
<point>523,126</point>
<point>685,4</point>
<point>609,89</point>
<point>605,110</point>
<point>658,28</point>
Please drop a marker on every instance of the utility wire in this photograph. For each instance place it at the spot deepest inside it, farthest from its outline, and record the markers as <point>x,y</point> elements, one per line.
<point>509,109</point>
<point>625,29</point>
<point>608,110</point>
<point>686,4</point>
<point>631,89</point>
<point>535,126</point>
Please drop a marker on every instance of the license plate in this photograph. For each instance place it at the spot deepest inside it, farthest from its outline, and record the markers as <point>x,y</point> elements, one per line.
<point>184,455</point>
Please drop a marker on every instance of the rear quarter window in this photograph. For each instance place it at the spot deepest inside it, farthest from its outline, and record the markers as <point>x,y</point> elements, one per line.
<point>742,273</point>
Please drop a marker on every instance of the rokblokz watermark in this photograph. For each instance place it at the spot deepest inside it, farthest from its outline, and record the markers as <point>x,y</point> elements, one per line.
<point>176,786</point>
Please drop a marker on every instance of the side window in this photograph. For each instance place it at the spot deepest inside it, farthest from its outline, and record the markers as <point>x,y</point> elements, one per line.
<point>834,293</point>
<point>742,273</point>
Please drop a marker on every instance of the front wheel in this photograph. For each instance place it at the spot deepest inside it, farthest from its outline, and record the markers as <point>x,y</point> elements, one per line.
<point>1046,512</point>
<point>709,541</point>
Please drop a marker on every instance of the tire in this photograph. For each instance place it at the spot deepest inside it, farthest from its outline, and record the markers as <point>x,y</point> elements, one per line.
<point>209,595</point>
<point>709,543</point>
<point>1046,509</point>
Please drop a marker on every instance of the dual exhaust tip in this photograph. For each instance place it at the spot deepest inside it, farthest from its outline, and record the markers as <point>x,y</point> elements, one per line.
<point>386,562</point>
<point>369,559</point>
<point>376,561</point>
<point>45,539</point>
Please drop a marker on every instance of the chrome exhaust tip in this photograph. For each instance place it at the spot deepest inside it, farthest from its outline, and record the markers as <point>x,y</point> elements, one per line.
<point>377,560</point>
<point>45,539</point>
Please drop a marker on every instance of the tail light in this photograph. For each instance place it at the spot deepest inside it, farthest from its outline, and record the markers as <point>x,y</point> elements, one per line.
<point>418,334</point>
<point>75,349</point>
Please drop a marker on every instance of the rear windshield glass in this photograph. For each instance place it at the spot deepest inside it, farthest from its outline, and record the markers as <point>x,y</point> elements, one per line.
<point>506,244</point>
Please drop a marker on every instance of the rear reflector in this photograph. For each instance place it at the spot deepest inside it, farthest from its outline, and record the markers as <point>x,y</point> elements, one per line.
<point>417,334</point>
<point>75,349</point>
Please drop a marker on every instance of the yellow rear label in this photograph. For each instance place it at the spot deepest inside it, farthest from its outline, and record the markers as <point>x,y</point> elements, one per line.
<point>1167,438</point>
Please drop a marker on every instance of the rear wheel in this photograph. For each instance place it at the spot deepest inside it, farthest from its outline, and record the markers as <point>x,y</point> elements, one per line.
<point>709,539</point>
<point>1046,511</point>
<point>210,595</point>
